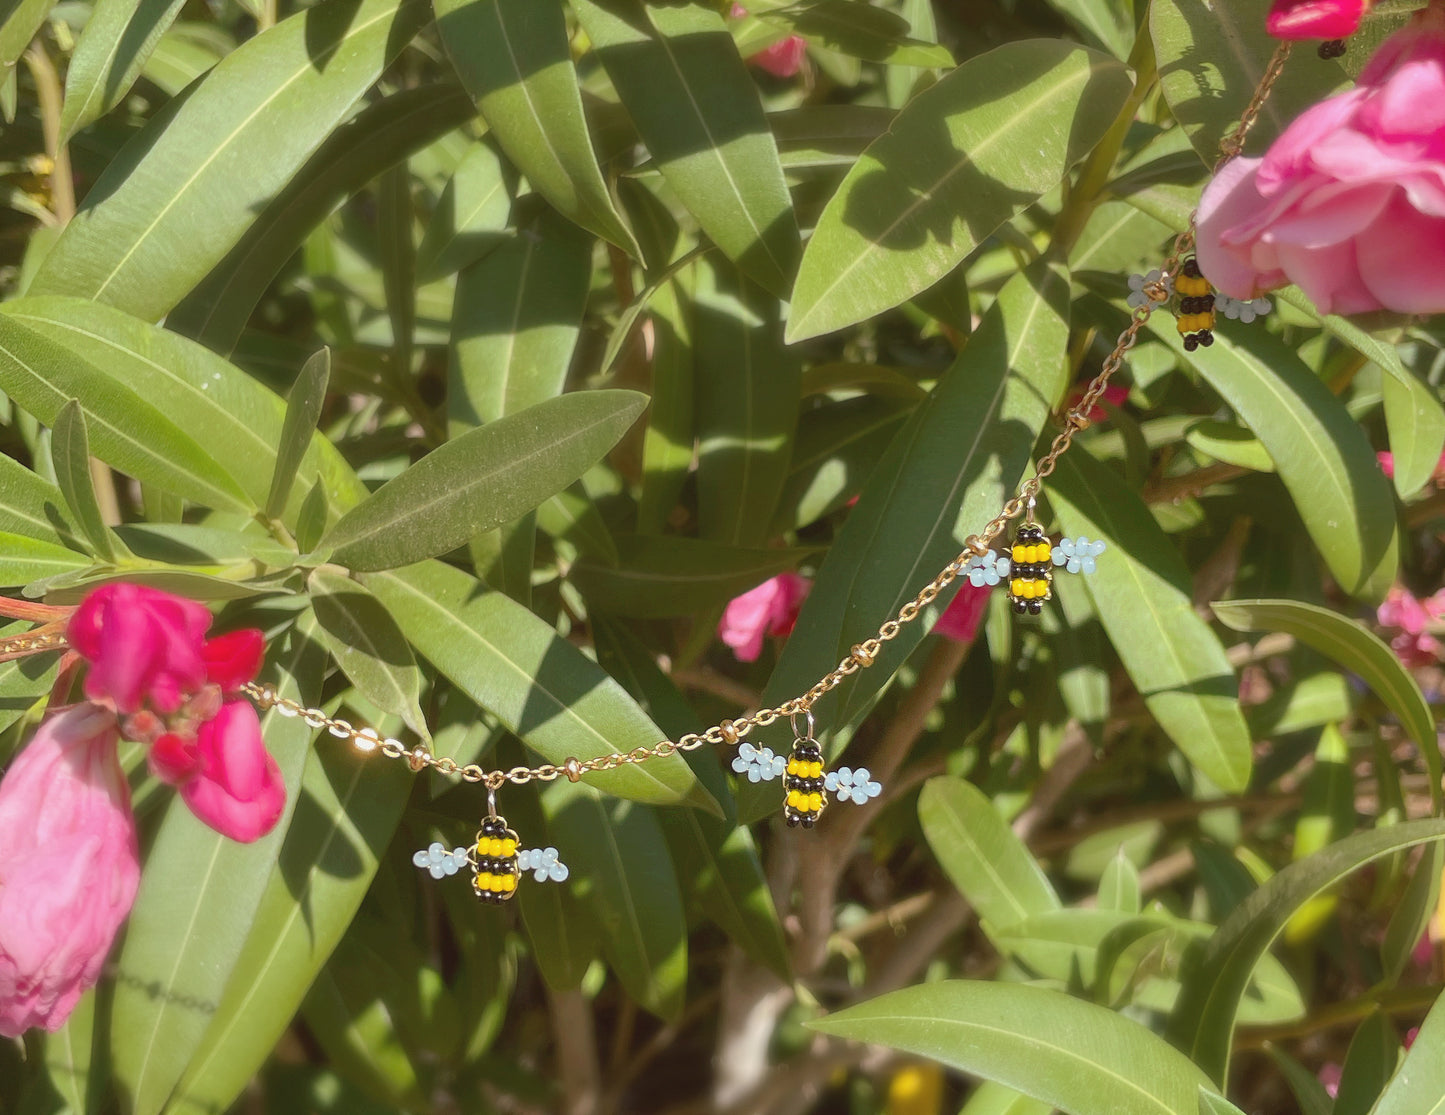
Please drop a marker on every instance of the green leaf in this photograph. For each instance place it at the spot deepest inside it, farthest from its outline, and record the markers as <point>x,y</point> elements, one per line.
<point>471,216</point>
<point>1419,1084</point>
<point>515,59</point>
<point>397,251</point>
<point>815,136</point>
<point>303,409</point>
<point>1309,1093</point>
<point>1346,642</point>
<point>860,31</point>
<point>24,559</point>
<point>30,505</point>
<point>1109,24</point>
<point>1414,416</point>
<point>1142,592</point>
<point>1411,918</point>
<point>242,420</point>
<point>697,109</point>
<point>534,681</point>
<point>486,477</point>
<point>717,859</point>
<point>621,869</point>
<point>20,21</point>
<point>70,455</point>
<point>196,904</point>
<point>368,646</point>
<point>1234,445</point>
<point>668,442</point>
<point>70,1061</point>
<point>988,864</point>
<point>172,203</point>
<point>1369,1063</point>
<point>1081,1058</point>
<point>383,133</point>
<point>109,55</point>
<point>668,576</point>
<point>990,1098</point>
<point>961,158</point>
<point>1211,60</point>
<point>746,385</point>
<point>23,681</point>
<point>346,817</point>
<point>947,471</point>
<point>1119,888</point>
<point>1214,978</point>
<point>1212,1104</point>
<point>311,522</point>
<point>128,433</point>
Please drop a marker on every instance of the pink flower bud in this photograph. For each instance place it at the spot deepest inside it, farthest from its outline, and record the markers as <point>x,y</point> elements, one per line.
<point>236,786</point>
<point>964,613</point>
<point>1315,19</point>
<point>142,645</point>
<point>233,659</point>
<point>770,609</point>
<point>69,866</point>
<point>1349,202</point>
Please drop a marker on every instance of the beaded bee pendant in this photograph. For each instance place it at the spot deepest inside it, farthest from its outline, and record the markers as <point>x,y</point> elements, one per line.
<point>1196,306</point>
<point>496,860</point>
<point>806,785</point>
<point>1031,570</point>
<point>803,782</point>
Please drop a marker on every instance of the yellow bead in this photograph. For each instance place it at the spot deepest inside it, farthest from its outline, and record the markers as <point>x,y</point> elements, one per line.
<point>815,802</point>
<point>509,847</point>
<point>506,883</point>
<point>484,881</point>
<point>815,770</point>
<point>793,797</point>
<point>1046,551</point>
<point>481,848</point>
<point>1016,586</point>
<point>1019,552</point>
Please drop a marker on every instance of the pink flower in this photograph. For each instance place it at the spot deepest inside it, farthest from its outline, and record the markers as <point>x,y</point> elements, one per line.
<point>1329,1075</point>
<point>69,866</point>
<point>964,613</point>
<point>141,644</point>
<point>1387,466</point>
<point>1315,19</point>
<point>232,784</point>
<point>783,59</point>
<point>1413,644</point>
<point>1114,394</point>
<point>1349,202</point>
<point>770,609</point>
<point>234,659</point>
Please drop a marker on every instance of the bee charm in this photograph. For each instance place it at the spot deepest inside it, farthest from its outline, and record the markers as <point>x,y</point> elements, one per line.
<point>1031,571</point>
<point>496,861</point>
<point>1196,306</point>
<point>806,784</point>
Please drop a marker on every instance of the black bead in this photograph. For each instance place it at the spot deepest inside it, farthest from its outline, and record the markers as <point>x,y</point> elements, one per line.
<point>1206,338</point>
<point>1191,342</point>
<point>1332,48</point>
<point>1035,607</point>
<point>1191,268</point>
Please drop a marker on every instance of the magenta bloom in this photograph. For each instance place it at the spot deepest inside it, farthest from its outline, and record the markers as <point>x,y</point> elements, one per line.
<point>1349,202</point>
<point>961,619</point>
<point>1412,643</point>
<point>783,59</point>
<point>143,645</point>
<point>69,866</point>
<point>1315,19</point>
<point>233,784</point>
<point>770,609</point>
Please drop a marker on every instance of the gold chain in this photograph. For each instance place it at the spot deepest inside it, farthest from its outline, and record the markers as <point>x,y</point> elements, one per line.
<point>864,654</point>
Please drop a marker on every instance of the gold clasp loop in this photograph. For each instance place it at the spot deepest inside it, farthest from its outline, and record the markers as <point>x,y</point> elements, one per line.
<point>1029,506</point>
<point>491,801</point>
<point>807,711</point>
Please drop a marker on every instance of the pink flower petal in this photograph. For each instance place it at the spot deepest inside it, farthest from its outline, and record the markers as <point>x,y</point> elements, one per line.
<point>237,787</point>
<point>770,609</point>
<point>1315,19</point>
<point>69,866</point>
<point>961,619</point>
<point>232,660</point>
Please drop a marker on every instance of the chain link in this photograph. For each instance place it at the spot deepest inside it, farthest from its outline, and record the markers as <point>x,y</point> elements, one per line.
<point>864,654</point>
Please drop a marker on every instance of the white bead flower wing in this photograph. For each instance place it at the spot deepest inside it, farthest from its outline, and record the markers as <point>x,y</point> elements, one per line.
<point>544,864</point>
<point>853,785</point>
<point>1137,283</point>
<point>758,763</point>
<point>986,569</point>
<point>1077,554</point>
<point>438,861</point>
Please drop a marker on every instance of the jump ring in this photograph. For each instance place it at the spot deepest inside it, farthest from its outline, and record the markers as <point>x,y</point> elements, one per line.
<point>793,720</point>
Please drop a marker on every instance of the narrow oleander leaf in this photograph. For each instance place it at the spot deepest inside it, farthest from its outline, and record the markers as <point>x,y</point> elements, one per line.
<point>1142,594</point>
<point>482,479</point>
<point>109,55</point>
<point>514,57</point>
<point>311,522</point>
<point>172,204</point>
<point>959,455</point>
<point>1211,1103</point>
<point>1411,918</point>
<point>346,819</point>
<point>126,430</point>
<point>383,133</point>
<point>1230,443</point>
<point>909,210</point>
<point>991,1098</point>
<point>366,643</point>
<point>241,418</point>
<point>860,31</point>
<point>196,905</point>
<point>667,576</point>
<point>515,322</point>
<point>1309,1093</point>
<point>620,861</point>
<point>24,559</point>
<point>1363,653</point>
<point>1215,976</point>
<point>397,250</point>
<point>679,75</point>
<point>1420,1082</point>
<point>746,385</point>
<point>1207,90</point>
<point>20,20</point>
<point>471,216</point>
<point>303,409</point>
<point>815,136</point>
<point>70,457</point>
<point>1082,1058</point>
<point>1369,1063</point>
<point>1110,25</point>
<point>535,682</point>
<point>31,505</point>
<point>668,444</point>
<point>717,859</point>
<point>1119,888</point>
<point>988,864</point>
<point>75,1072</point>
